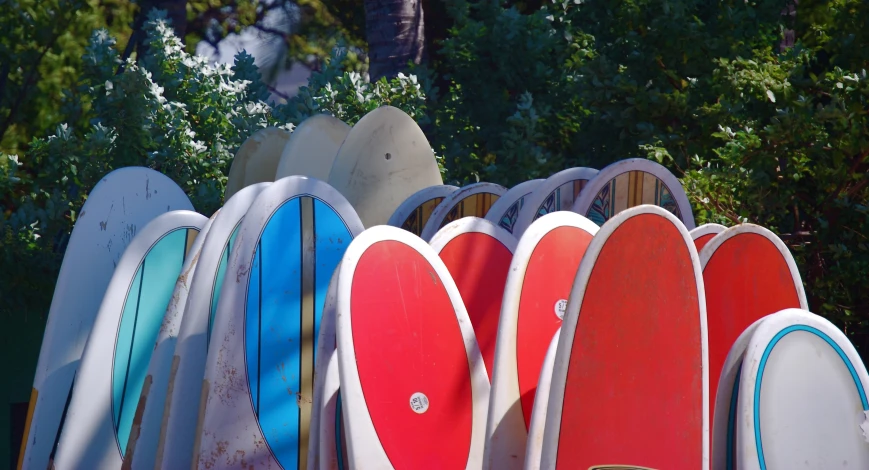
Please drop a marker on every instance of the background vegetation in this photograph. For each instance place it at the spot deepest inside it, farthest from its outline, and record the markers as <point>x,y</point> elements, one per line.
<point>760,111</point>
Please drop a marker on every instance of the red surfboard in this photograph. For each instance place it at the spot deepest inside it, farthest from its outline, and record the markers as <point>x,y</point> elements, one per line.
<point>748,273</point>
<point>414,389</point>
<point>478,254</point>
<point>704,233</point>
<point>535,295</point>
<point>629,386</point>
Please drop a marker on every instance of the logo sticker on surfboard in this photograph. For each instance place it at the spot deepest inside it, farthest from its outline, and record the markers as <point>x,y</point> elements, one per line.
<point>560,308</point>
<point>419,403</point>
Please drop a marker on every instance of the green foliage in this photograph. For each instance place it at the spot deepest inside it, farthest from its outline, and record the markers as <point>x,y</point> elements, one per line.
<point>173,112</point>
<point>760,135</point>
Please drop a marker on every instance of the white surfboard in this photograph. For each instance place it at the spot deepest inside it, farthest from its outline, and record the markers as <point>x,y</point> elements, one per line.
<point>384,159</point>
<point>119,206</point>
<point>534,448</point>
<point>726,398</point>
<point>115,360</point>
<point>535,295</point>
<point>175,448</point>
<point>556,193</point>
<point>312,147</point>
<point>256,160</point>
<point>802,397</point>
<point>629,183</point>
<point>505,211</point>
<point>259,372</point>
<point>415,211</point>
<point>323,451</point>
<point>473,200</point>
<point>141,450</point>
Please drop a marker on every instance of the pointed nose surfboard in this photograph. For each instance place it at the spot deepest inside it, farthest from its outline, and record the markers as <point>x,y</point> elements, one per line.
<point>414,389</point>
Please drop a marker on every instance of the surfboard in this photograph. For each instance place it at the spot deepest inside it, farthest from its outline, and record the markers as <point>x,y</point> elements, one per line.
<point>256,160</point>
<point>473,200</point>
<point>477,253</point>
<point>702,234</point>
<point>415,211</point>
<point>802,397</point>
<point>534,447</point>
<point>535,295</point>
<point>113,368</point>
<point>629,183</point>
<point>408,361</point>
<point>323,448</point>
<point>630,383</point>
<point>312,147</point>
<point>723,428</point>
<point>259,373</point>
<point>505,210</point>
<point>119,206</point>
<point>141,450</point>
<point>384,159</point>
<point>181,414</point>
<point>556,193</point>
<point>748,273</point>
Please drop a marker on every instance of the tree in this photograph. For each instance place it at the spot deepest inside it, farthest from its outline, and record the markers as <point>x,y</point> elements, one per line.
<point>395,31</point>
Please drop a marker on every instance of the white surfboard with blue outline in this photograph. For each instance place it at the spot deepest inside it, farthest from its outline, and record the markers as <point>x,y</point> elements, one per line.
<point>259,374</point>
<point>175,449</point>
<point>802,397</point>
<point>115,360</point>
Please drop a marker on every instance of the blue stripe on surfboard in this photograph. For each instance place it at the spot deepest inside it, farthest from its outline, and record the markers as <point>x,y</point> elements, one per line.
<point>760,370</point>
<point>273,313</point>
<point>216,289</point>
<point>143,312</point>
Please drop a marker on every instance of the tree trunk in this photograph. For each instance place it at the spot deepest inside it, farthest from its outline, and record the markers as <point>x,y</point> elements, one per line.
<point>395,32</point>
<point>176,12</point>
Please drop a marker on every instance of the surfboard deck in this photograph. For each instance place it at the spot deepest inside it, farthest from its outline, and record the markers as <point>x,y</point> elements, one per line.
<point>256,160</point>
<point>477,253</point>
<point>630,183</point>
<point>122,203</point>
<point>114,364</point>
<point>631,364</point>
<point>748,273</point>
<point>260,369</point>
<point>175,447</point>
<point>473,200</point>
<point>505,210</point>
<point>802,397</point>
<point>384,159</point>
<point>312,147</point>
<point>556,193</point>
<point>534,447</point>
<point>399,310</point>
<point>415,211</point>
<point>141,450</point>
<point>540,276</point>
<point>704,233</point>
<point>723,427</point>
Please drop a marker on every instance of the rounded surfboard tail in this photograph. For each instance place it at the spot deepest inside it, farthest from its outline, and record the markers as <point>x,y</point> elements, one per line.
<point>409,363</point>
<point>637,305</point>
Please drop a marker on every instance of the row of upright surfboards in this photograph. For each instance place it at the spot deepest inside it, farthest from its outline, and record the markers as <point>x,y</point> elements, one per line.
<point>345,309</point>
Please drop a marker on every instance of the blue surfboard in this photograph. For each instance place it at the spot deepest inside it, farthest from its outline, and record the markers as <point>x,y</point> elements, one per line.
<point>267,323</point>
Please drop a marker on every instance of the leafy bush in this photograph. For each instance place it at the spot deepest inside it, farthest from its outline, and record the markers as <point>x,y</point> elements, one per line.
<point>173,112</point>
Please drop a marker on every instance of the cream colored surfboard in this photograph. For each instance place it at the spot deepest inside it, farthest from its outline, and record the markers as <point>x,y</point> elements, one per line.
<point>556,193</point>
<point>312,147</point>
<point>256,160</point>
<point>534,447</point>
<point>383,161</point>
